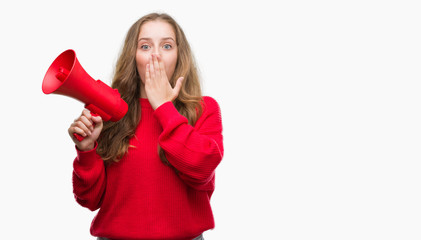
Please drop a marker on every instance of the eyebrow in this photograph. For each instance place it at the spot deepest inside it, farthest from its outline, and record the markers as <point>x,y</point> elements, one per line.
<point>162,39</point>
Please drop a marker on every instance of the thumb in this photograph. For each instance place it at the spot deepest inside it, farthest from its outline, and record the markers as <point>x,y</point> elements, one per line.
<point>178,85</point>
<point>97,120</point>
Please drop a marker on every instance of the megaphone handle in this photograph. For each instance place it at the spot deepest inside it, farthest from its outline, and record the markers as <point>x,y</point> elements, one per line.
<point>80,137</point>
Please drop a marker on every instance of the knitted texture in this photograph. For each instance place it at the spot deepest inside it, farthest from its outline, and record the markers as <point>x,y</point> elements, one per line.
<point>142,198</point>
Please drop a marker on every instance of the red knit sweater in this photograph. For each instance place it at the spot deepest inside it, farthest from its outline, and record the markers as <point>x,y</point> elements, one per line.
<point>140,197</point>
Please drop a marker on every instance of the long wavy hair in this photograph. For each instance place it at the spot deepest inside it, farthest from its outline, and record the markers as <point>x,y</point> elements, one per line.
<point>113,142</point>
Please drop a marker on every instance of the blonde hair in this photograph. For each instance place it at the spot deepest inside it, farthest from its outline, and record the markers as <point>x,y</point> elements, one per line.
<point>113,142</point>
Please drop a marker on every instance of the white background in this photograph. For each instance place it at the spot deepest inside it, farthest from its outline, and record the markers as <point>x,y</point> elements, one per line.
<point>320,103</point>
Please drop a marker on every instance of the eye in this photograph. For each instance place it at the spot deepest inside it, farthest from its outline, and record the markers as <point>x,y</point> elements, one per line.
<point>145,47</point>
<point>167,46</point>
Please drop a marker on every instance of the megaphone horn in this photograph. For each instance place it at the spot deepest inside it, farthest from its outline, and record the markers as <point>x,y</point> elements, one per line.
<point>67,77</point>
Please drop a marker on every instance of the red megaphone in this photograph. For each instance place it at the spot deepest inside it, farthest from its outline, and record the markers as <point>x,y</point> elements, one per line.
<point>66,77</point>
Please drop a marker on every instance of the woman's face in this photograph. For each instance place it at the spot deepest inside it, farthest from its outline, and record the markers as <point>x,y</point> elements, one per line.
<point>156,37</point>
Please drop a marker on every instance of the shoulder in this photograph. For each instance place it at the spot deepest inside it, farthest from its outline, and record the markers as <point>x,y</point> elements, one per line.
<point>210,108</point>
<point>209,103</point>
<point>210,118</point>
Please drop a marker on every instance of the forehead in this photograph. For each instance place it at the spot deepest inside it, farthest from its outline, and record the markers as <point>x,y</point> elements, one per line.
<point>156,29</point>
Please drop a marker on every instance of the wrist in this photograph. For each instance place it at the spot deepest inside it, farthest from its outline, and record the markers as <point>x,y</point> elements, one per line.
<point>159,103</point>
<point>87,148</point>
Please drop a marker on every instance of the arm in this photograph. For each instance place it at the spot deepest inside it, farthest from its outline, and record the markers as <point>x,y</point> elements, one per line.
<point>89,179</point>
<point>194,151</point>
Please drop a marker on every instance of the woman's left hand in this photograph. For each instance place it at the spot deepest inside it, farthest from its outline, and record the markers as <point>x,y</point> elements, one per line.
<point>158,88</point>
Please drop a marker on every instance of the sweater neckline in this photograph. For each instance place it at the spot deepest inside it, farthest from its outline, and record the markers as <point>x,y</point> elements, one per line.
<point>144,103</point>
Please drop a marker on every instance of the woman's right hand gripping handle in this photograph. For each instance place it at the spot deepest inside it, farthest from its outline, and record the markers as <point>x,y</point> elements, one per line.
<point>87,126</point>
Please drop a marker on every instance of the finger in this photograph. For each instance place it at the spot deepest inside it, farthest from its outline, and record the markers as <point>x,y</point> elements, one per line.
<point>161,66</point>
<point>151,69</point>
<point>81,125</point>
<point>177,87</point>
<point>87,122</point>
<point>71,128</point>
<point>147,73</point>
<point>86,113</point>
<point>79,131</point>
<point>156,66</point>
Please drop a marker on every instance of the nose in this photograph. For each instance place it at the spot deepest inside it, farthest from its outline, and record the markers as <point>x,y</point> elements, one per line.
<point>156,51</point>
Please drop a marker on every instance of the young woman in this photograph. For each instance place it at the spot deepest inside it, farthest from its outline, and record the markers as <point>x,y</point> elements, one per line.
<point>151,174</point>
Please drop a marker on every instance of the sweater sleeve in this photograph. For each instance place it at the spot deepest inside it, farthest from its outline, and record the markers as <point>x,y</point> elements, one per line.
<point>89,179</point>
<point>194,151</point>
